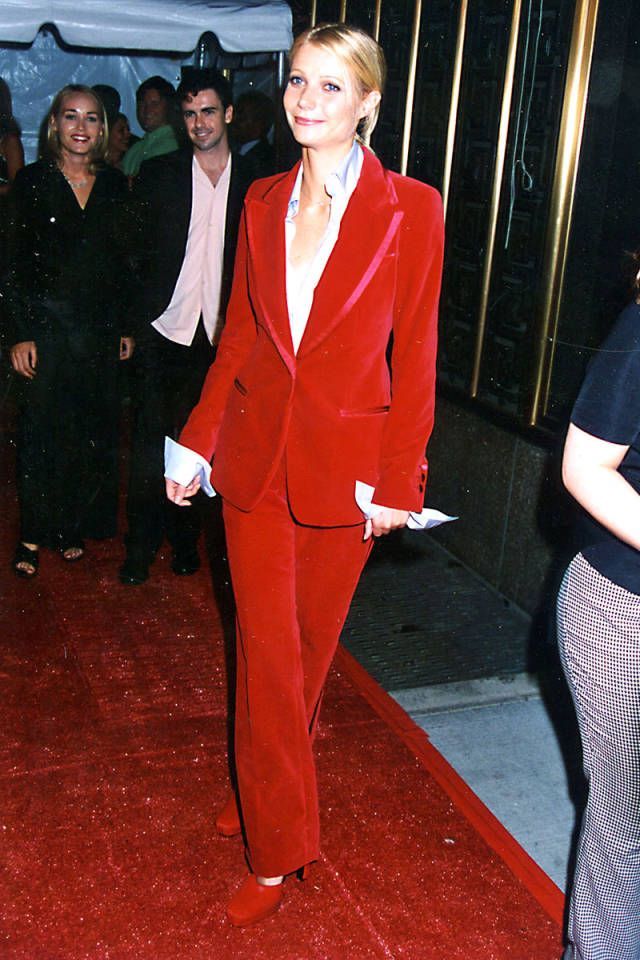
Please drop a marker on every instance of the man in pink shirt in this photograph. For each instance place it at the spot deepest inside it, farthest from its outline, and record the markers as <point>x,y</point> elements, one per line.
<point>190,202</point>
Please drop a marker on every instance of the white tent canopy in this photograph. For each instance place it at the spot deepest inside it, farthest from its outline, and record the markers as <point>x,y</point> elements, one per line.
<point>121,43</point>
<point>244,26</point>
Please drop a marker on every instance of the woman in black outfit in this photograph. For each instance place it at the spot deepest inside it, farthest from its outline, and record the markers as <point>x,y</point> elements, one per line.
<point>599,635</point>
<point>65,293</point>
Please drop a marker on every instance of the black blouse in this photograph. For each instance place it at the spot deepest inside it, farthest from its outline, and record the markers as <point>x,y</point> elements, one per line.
<point>65,261</point>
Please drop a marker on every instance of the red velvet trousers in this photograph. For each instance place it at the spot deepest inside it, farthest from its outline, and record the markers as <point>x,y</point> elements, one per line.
<point>293,585</point>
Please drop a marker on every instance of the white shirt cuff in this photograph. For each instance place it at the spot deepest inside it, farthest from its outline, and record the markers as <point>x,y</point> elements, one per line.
<point>182,465</point>
<point>423,520</point>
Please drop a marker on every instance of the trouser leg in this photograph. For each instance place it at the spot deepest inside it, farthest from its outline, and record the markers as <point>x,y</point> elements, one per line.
<point>145,498</point>
<point>293,586</point>
<point>74,454</point>
<point>183,525</point>
<point>329,561</point>
<point>102,422</point>
<point>599,636</point>
<point>167,386</point>
<point>51,457</point>
<point>33,430</point>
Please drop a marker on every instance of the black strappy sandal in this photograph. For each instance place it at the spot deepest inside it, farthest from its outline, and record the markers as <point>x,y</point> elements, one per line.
<point>25,555</point>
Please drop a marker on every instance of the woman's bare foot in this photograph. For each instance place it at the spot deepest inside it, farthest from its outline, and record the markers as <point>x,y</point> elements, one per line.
<point>25,561</point>
<point>73,552</point>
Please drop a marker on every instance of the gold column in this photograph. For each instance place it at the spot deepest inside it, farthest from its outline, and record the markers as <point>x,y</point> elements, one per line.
<point>377,17</point>
<point>314,13</point>
<point>343,11</point>
<point>453,107</point>
<point>411,87</point>
<point>501,150</point>
<point>562,196</point>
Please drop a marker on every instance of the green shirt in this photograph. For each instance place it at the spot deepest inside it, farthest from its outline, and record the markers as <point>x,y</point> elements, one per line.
<point>153,144</point>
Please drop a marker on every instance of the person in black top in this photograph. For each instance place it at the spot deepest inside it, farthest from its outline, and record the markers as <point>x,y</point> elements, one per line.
<point>11,152</point>
<point>67,279</point>
<point>253,119</point>
<point>599,638</point>
<point>11,160</point>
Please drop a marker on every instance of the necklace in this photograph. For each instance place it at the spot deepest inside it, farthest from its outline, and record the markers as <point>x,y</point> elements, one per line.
<point>314,203</point>
<point>75,183</point>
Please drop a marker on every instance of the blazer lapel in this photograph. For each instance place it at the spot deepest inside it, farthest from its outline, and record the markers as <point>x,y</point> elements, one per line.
<point>367,229</point>
<point>238,185</point>
<point>174,177</point>
<point>184,179</point>
<point>266,232</point>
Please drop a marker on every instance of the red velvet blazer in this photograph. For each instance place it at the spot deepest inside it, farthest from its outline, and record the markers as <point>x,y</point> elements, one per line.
<point>357,401</point>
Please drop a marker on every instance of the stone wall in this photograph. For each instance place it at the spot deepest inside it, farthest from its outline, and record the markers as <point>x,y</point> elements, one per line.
<point>514,517</point>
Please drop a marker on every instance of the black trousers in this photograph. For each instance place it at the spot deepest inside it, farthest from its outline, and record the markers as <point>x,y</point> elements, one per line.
<point>67,441</point>
<point>167,384</point>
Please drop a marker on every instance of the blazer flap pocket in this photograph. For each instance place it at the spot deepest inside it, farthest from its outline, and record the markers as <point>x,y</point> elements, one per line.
<point>365,411</point>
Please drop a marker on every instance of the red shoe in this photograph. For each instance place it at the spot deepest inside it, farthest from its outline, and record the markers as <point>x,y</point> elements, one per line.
<point>228,820</point>
<point>253,902</point>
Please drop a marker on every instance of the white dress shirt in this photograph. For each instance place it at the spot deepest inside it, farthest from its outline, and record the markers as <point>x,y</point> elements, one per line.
<point>197,290</point>
<point>302,279</point>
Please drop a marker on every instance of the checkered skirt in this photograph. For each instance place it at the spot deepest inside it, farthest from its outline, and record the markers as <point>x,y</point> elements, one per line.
<point>599,639</point>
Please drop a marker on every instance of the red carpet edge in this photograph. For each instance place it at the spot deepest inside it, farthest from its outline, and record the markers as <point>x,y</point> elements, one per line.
<point>536,881</point>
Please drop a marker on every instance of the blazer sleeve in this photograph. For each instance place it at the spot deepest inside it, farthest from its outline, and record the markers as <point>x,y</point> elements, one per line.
<point>403,467</point>
<point>161,198</point>
<point>200,432</point>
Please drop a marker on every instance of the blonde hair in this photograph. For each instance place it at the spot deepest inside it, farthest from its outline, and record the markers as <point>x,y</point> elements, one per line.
<point>360,53</point>
<point>99,153</point>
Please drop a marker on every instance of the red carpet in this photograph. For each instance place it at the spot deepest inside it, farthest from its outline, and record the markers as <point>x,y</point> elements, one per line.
<point>112,759</point>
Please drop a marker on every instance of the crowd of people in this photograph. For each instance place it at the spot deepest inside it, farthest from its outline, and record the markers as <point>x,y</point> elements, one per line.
<point>307,367</point>
<point>84,218</point>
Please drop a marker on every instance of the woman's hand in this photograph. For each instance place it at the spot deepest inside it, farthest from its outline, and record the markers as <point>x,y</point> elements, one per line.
<point>127,346</point>
<point>384,521</point>
<point>179,494</point>
<point>24,358</point>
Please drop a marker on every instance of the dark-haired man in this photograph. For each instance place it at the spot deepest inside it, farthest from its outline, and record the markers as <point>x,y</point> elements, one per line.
<point>190,201</point>
<point>155,100</point>
<point>253,119</point>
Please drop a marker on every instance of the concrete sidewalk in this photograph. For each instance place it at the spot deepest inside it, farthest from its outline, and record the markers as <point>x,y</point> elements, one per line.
<point>498,735</point>
<point>455,654</point>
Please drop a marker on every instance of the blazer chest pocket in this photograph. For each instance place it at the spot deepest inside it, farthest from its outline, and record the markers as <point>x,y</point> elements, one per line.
<point>365,411</point>
<point>240,387</point>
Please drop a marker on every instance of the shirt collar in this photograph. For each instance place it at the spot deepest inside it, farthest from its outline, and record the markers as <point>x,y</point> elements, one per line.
<point>199,173</point>
<point>339,185</point>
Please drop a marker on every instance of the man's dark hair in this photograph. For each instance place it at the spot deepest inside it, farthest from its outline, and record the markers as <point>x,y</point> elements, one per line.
<point>110,99</point>
<point>194,80</point>
<point>160,85</point>
<point>259,110</point>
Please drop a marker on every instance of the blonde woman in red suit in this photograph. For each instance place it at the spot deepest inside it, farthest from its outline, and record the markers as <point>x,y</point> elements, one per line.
<point>324,376</point>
